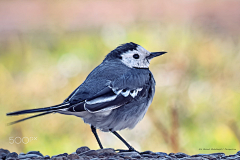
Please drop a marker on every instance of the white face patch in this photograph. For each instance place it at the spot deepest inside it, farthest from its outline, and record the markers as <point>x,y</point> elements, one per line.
<point>141,62</point>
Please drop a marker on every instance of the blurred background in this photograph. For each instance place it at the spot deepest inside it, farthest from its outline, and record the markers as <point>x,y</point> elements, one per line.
<point>47,48</point>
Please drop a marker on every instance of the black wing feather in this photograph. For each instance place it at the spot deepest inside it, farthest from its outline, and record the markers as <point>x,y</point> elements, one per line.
<point>117,102</point>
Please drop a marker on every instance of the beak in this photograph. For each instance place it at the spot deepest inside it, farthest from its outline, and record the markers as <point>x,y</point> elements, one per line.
<point>155,54</point>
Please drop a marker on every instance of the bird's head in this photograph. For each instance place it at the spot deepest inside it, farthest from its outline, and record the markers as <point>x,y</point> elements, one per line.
<point>133,55</point>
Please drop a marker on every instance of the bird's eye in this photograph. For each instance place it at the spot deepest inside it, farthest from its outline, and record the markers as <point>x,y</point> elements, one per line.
<point>136,56</point>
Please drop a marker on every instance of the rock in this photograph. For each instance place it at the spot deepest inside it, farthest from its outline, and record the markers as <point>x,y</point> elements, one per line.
<point>84,153</point>
<point>5,151</point>
<point>147,155</point>
<point>3,156</point>
<point>111,159</point>
<point>12,155</point>
<point>147,152</point>
<point>181,155</point>
<point>47,157</point>
<point>35,152</point>
<point>60,155</point>
<point>106,152</point>
<point>161,154</point>
<point>167,158</point>
<point>151,154</point>
<point>238,153</point>
<point>11,158</point>
<point>193,158</point>
<point>129,154</point>
<point>59,158</point>
<point>82,149</point>
<point>230,157</point>
<point>73,156</point>
<point>172,155</point>
<point>84,158</point>
<point>199,155</point>
<point>210,157</point>
<point>89,153</point>
<point>24,156</point>
<point>217,155</point>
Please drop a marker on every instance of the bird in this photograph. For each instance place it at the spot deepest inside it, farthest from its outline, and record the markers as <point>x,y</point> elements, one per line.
<point>114,96</point>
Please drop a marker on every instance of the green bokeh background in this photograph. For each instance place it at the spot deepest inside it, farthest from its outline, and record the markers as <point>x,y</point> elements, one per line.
<point>197,100</point>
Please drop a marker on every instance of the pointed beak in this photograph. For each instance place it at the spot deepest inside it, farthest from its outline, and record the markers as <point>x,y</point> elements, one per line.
<point>155,54</point>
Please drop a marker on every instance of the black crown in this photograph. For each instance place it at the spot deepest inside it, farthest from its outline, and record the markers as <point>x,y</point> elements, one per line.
<point>116,53</point>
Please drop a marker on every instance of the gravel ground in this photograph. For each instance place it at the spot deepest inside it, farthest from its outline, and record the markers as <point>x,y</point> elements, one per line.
<point>84,153</point>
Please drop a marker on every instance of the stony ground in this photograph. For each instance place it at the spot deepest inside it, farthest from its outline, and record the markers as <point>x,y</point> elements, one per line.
<point>84,153</point>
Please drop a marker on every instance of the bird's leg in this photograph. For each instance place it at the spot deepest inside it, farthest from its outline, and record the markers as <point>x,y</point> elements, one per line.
<point>96,136</point>
<point>130,148</point>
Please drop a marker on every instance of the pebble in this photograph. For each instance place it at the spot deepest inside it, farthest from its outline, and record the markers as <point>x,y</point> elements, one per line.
<point>111,159</point>
<point>167,158</point>
<point>218,154</point>
<point>200,155</point>
<point>59,158</point>
<point>181,155</point>
<point>84,153</point>
<point>11,158</point>
<point>193,158</point>
<point>230,157</point>
<point>170,154</point>
<point>24,156</point>
<point>106,152</point>
<point>90,153</point>
<point>82,149</point>
<point>35,152</point>
<point>148,156</point>
<point>210,157</point>
<point>147,152</point>
<point>129,154</point>
<point>4,153</point>
<point>12,155</point>
<point>60,155</point>
<point>161,154</point>
<point>238,153</point>
<point>47,157</point>
<point>73,156</point>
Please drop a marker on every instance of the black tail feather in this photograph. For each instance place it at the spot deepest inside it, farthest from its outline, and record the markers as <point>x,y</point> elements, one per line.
<point>20,120</point>
<point>56,107</point>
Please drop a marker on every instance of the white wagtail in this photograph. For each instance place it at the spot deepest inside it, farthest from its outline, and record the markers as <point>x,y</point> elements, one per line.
<point>115,95</point>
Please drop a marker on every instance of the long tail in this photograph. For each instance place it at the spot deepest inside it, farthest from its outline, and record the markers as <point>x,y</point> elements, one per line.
<point>56,107</point>
<point>45,111</point>
<point>24,119</point>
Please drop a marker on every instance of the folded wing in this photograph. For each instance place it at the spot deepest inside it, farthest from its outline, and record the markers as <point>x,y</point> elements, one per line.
<point>107,99</point>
